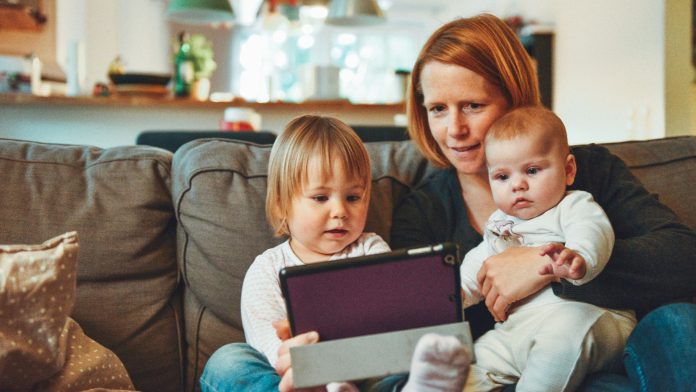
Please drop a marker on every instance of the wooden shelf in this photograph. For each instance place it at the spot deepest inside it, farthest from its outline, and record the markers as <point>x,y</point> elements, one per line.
<point>145,101</point>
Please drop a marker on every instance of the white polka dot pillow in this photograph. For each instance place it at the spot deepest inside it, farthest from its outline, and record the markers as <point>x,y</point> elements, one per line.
<point>41,348</point>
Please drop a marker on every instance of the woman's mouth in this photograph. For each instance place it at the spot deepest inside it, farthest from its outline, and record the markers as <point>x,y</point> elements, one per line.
<point>465,148</point>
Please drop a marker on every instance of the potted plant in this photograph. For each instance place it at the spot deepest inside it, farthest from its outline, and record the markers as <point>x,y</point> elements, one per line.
<point>203,66</point>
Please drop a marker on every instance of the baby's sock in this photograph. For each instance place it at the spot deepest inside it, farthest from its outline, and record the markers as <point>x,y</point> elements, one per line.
<point>341,387</point>
<point>439,363</point>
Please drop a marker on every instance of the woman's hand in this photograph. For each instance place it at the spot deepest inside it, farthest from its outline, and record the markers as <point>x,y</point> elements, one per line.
<point>283,365</point>
<point>512,276</point>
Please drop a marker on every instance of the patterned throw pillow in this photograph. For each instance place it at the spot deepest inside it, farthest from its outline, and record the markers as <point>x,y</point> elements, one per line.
<point>41,348</point>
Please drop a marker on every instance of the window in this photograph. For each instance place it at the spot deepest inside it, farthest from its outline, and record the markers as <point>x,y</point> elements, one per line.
<point>295,61</point>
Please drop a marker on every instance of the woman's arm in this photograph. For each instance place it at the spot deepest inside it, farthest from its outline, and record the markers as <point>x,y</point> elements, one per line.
<point>512,276</point>
<point>412,222</point>
<point>654,257</point>
<point>433,213</point>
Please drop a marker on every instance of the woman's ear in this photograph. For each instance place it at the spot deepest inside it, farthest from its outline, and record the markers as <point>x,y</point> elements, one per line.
<point>571,169</point>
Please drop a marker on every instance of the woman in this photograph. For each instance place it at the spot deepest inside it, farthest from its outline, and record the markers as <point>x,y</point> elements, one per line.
<point>468,74</point>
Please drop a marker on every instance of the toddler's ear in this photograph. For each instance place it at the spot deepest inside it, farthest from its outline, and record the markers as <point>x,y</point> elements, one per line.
<point>571,168</point>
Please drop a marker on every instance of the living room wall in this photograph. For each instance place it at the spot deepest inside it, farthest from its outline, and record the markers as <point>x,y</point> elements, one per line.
<point>41,42</point>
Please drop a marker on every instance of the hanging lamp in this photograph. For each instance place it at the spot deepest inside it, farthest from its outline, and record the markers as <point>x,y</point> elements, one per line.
<point>354,13</point>
<point>200,11</point>
<point>246,11</point>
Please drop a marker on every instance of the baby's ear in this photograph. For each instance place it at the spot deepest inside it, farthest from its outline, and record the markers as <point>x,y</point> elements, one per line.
<point>571,168</point>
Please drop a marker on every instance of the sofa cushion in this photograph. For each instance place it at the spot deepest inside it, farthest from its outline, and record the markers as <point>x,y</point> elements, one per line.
<point>219,192</point>
<point>119,201</point>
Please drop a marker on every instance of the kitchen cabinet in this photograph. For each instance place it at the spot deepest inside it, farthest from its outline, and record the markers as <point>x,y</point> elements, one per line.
<point>22,15</point>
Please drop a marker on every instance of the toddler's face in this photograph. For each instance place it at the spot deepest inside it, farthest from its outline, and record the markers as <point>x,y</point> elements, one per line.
<point>527,176</point>
<point>328,215</point>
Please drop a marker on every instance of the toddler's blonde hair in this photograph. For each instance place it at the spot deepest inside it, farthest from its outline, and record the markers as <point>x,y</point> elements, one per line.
<point>304,138</point>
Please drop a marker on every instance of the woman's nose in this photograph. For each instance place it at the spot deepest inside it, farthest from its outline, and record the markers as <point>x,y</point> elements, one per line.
<point>457,125</point>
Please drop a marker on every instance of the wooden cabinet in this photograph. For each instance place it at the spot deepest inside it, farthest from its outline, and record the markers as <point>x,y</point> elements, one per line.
<point>22,15</point>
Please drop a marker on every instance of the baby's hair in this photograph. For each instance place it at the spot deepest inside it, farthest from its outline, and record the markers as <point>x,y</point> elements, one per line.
<point>304,138</point>
<point>535,121</point>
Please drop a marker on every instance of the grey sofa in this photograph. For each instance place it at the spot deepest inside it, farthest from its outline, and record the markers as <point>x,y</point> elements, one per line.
<point>165,240</point>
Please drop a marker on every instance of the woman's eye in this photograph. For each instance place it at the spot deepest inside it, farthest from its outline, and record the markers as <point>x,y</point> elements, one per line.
<point>533,170</point>
<point>472,107</point>
<point>436,109</point>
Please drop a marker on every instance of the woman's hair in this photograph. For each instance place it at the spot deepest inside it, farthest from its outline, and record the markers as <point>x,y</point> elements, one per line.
<point>485,45</point>
<point>304,138</point>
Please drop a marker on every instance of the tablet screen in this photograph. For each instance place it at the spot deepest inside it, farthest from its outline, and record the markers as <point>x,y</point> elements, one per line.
<point>403,289</point>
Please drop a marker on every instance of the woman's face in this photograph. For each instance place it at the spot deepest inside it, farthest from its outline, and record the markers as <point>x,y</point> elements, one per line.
<point>461,106</point>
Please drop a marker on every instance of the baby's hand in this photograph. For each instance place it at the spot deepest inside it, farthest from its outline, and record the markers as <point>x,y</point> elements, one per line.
<point>566,263</point>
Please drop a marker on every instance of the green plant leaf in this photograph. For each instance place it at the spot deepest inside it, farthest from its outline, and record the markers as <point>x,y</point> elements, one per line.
<point>202,55</point>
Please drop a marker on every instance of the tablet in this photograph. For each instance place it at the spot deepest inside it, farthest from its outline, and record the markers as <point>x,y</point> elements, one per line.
<point>402,289</point>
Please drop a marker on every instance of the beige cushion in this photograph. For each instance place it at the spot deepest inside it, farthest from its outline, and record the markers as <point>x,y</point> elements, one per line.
<point>40,346</point>
<point>88,366</point>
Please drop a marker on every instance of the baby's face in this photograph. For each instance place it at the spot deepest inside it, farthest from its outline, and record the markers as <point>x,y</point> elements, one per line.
<point>527,175</point>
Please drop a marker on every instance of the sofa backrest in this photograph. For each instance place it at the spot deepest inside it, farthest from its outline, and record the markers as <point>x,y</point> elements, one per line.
<point>119,202</point>
<point>138,212</point>
<point>219,193</point>
<point>666,167</point>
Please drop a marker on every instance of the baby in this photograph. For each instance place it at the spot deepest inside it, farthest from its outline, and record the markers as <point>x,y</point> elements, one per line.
<point>547,343</point>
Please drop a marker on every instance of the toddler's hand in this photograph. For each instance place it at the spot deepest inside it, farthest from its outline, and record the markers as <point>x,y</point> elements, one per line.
<point>565,264</point>
<point>283,365</point>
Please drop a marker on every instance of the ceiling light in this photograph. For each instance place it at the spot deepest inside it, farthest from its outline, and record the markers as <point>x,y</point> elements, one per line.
<point>200,11</point>
<point>354,13</point>
<point>246,10</point>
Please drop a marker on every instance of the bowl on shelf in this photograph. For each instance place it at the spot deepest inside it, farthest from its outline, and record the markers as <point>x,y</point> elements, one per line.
<point>140,84</point>
<point>140,78</point>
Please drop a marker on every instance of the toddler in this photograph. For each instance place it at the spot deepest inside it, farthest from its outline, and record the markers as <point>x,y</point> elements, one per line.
<point>318,194</point>
<point>547,343</point>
